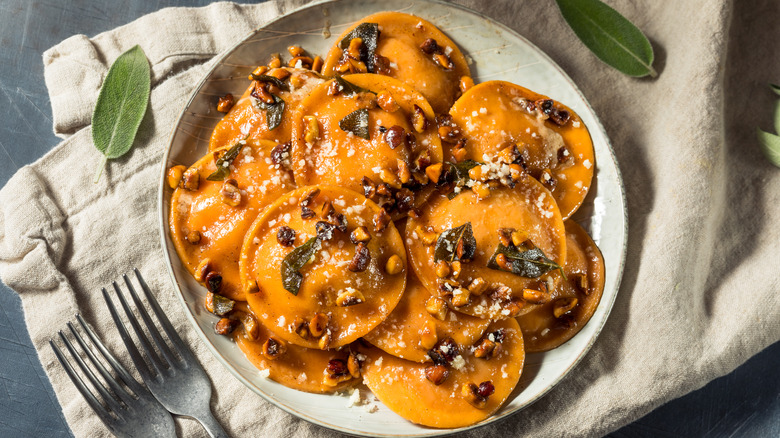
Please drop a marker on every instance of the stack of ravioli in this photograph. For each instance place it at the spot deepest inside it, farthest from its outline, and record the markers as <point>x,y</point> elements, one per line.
<point>375,218</point>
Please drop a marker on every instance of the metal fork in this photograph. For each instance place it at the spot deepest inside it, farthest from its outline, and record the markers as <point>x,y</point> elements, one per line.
<point>179,383</point>
<point>125,414</point>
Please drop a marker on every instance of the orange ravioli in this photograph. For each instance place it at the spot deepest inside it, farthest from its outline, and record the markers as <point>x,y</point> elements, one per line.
<point>496,114</point>
<point>220,227</point>
<point>528,208</point>
<point>402,332</point>
<point>245,118</point>
<point>585,283</point>
<point>337,157</point>
<point>435,72</point>
<point>403,387</point>
<point>350,303</point>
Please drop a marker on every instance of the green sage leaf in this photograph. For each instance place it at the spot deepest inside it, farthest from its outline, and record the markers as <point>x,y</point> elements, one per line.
<point>610,36</point>
<point>770,145</point>
<point>775,88</point>
<point>222,305</point>
<point>777,116</point>
<point>356,122</point>
<point>369,33</point>
<point>348,88</point>
<point>273,111</point>
<point>455,244</point>
<point>121,105</point>
<point>294,261</point>
<point>280,84</point>
<point>531,263</point>
<point>223,170</point>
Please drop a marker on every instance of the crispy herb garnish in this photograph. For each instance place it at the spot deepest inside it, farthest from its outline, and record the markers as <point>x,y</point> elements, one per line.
<point>223,171</point>
<point>294,261</point>
<point>369,33</point>
<point>456,244</point>
<point>273,111</point>
<point>531,263</point>
<point>280,84</point>
<point>348,88</point>
<point>459,174</point>
<point>356,122</point>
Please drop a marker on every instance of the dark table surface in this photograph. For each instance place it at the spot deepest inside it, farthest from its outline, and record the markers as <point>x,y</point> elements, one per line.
<point>743,403</point>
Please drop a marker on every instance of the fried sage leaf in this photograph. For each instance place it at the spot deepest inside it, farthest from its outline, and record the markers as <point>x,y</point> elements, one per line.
<point>280,84</point>
<point>531,263</point>
<point>770,145</point>
<point>223,163</point>
<point>456,244</point>
<point>369,33</point>
<point>294,261</point>
<point>348,88</point>
<point>273,111</point>
<point>121,105</point>
<point>222,305</point>
<point>356,122</point>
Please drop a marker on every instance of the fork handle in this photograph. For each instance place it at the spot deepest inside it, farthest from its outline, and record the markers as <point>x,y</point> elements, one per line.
<point>212,426</point>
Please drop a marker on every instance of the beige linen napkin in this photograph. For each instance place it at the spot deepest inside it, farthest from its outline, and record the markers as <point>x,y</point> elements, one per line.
<point>700,288</point>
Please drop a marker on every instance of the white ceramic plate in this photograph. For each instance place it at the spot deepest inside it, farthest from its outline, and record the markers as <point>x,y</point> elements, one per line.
<point>497,53</point>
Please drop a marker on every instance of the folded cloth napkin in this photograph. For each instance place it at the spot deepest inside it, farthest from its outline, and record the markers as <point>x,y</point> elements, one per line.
<point>700,288</point>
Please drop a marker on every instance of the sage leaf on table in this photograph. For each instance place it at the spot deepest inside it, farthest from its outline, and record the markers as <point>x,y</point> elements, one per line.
<point>121,105</point>
<point>775,88</point>
<point>770,145</point>
<point>610,36</point>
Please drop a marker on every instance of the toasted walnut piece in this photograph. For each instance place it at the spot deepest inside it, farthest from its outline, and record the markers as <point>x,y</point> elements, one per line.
<point>484,349</point>
<point>285,236</point>
<point>260,70</point>
<point>213,282</point>
<point>444,352</point>
<point>316,64</point>
<point>428,336</point>
<point>419,121</point>
<point>355,44</point>
<point>261,93</point>
<point>273,348</point>
<point>204,267</point>
<point>481,189</point>
<point>443,61</point>
<point>361,259</point>
<point>477,286</point>
<point>312,131</point>
<point>276,61</point>
<point>382,65</point>
<point>394,265</point>
<point>360,234</point>
<point>476,174</point>
<point>460,297</point>
<point>251,327</point>
<point>446,288</point>
<point>455,267</point>
<point>427,235</point>
<point>563,155</point>
<point>430,46</point>
<point>190,179</point>
<point>547,178</point>
<point>562,306</point>
<point>306,203</point>
<point>337,371</point>
<point>449,134</point>
<point>334,89</point>
<point>381,220</point>
<point>465,83</point>
<point>434,172</point>
<point>300,327</point>
<point>318,324</point>
<point>193,237</point>
<point>503,262</point>
<point>366,100</point>
<point>509,154</point>
<point>442,269</point>
<point>349,297</point>
<point>505,236</point>
<point>516,172</point>
<point>534,296</point>
<point>324,342</point>
<point>280,154</point>
<point>225,326</point>
<point>437,308</point>
<point>459,153</point>
<point>353,365</point>
<point>386,101</point>
<point>174,175</point>
<point>301,62</point>
<point>471,394</point>
<point>295,50</point>
<point>231,195</point>
<point>225,103</point>
<point>390,178</point>
<point>324,230</point>
<point>395,136</point>
<point>404,174</point>
<point>437,374</point>
<point>423,160</point>
<point>519,238</point>
<point>581,281</point>
<point>513,307</point>
<point>279,73</point>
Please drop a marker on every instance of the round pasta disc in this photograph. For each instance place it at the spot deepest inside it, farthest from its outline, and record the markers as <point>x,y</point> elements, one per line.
<point>401,332</point>
<point>496,114</point>
<point>403,387</point>
<point>528,207</point>
<point>222,227</point>
<point>327,276</point>
<point>246,119</point>
<point>400,39</point>
<point>339,157</point>
<point>542,330</point>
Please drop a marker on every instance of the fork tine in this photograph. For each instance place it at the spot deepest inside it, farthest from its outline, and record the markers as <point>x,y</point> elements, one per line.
<point>153,330</point>
<point>135,356</point>
<point>112,403</point>
<point>178,344</point>
<point>108,378</point>
<point>159,367</point>
<point>85,392</point>
<point>128,380</point>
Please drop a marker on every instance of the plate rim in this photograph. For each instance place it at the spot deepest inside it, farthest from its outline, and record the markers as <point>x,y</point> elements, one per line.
<point>433,432</point>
